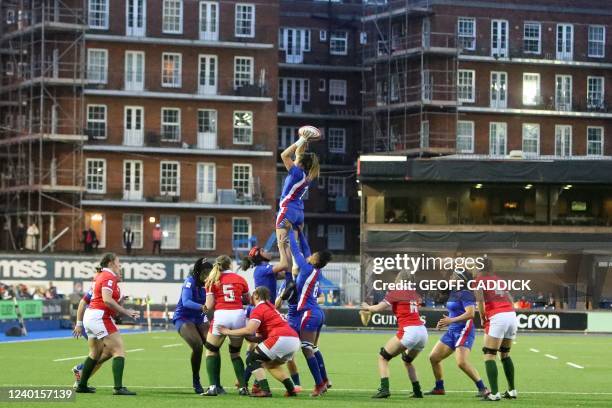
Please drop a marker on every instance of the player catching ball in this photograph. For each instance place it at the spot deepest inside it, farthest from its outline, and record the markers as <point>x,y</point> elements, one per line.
<point>302,171</point>
<point>409,341</point>
<point>100,326</point>
<point>190,319</point>
<point>226,292</point>
<point>280,343</point>
<point>498,318</point>
<point>459,337</point>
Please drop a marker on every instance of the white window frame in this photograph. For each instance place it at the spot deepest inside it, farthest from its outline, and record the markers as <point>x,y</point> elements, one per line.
<point>336,187</point>
<point>502,94</point>
<point>538,39</point>
<point>335,37</point>
<point>102,70</point>
<point>564,102</point>
<point>251,33</point>
<point>322,35</point>
<point>589,142</point>
<point>249,130</point>
<point>165,28</point>
<point>591,93</point>
<point>504,149</point>
<point>239,75</point>
<point>103,13</point>
<point>563,54</point>
<point>526,138</point>
<point>503,51</point>
<point>333,237</point>
<point>95,178</point>
<point>137,244</point>
<point>176,79</point>
<point>538,96</point>
<point>340,97</point>
<point>468,84</point>
<point>466,36</point>
<point>95,120</point>
<point>287,135</point>
<point>469,137</point>
<point>236,187</point>
<point>336,140</point>
<point>322,85</point>
<point>163,123</point>
<point>204,233</point>
<point>177,232</point>
<point>571,136</point>
<point>165,185</point>
<point>249,233</point>
<point>592,41</point>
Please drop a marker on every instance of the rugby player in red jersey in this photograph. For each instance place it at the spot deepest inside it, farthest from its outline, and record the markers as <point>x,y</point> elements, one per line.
<point>226,292</point>
<point>410,339</point>
<point>100,326</point>
<point>280,343</point>
<point>498,318</point>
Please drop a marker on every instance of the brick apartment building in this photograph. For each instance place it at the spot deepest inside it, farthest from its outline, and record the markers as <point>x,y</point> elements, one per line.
<point>319,84</point>
<point>178,113</point>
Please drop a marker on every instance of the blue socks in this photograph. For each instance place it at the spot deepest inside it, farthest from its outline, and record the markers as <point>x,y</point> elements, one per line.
<point>313,365</point>
<point>440,384</point>
<point>322,369</point>
<point>295,378</point>
<point>480,385</point>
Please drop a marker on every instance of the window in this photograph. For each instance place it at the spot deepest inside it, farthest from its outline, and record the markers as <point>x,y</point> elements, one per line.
<point>241,233</point>
<point>597,41</point>
<point>531,139</point>
<point>563,140</point>
<point>207,129</point>
<point>499,38</point>
<point>499,90</point>
<point>96,176</point>
<point>565,42</point>
<point>497,139</point>
<point>171,70</point>
<point>337,91</point>
<point>595,140</point>
<point>466,28</point>
<point>465,85</point>
<point>287,135</point>
<point>532,34</point>
<point>241,179</point>
<point>424,143</point>
<point>10,16</point>
<point>96,121</point>
<point>245,20</point>
<point>169,178</point>
<point>335,237</point>
<point>465,136</point>
<point>563,92</point>
<point>338,43</point>
<point>595,92</point>
<point>322,85</point>
<point>294,41</point>
<point>171,230</point>
<point>243,71</point>
<point>171,124</point>
<point>205,233</point>
<point>98,14</point>
<point>134,223</point>
<point>336,187</point>
<point>336,140</point>
<point>172,19</point>
<point>531,89</point>
<point>243,127</point>
<point>97,65</point>
<point>322,35</point>
<point>9,68</point>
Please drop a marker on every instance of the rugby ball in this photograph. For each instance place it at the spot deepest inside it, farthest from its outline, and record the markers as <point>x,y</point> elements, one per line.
<point>311,133</point>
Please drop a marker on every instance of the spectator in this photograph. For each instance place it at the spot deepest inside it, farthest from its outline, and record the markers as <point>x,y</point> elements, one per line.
<point>551,304</point>
<point>523,303</point>
<point>39,294</point>
<point>20,236</point>
<point>52,292</point>
<point>157,238</point>
<point>128,240</point>
<point>32,234</point>
<point>22,292</point>
<point>89,240</point>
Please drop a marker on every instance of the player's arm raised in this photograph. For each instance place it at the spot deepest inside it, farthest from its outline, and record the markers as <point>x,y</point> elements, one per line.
<point>107,297</point>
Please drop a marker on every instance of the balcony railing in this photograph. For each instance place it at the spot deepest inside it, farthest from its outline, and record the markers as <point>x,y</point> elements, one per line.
<point>413,43</point>
<point>55,12</point>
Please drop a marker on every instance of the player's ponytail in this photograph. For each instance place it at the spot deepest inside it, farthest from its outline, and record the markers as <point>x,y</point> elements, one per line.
<point>246,263</point>
<point>106,260</point>
<point>222,263</point>
<point>310,163</point>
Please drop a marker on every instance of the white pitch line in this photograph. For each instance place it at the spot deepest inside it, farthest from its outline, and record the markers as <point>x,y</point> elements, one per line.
<point>69,358</point>
<point>172,345</point>
<point>534,350</point>
<point>551,356</point>
<point>574,365</point>
<point>132,350</point>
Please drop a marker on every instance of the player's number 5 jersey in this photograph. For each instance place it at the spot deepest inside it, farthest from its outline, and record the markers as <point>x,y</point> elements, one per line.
<point>228,292</point>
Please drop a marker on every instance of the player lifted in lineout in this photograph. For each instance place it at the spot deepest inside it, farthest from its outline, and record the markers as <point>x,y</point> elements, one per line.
<point>498,318</point>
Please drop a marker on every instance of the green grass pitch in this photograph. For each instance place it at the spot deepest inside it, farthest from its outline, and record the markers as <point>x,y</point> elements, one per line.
<point>161,375</point>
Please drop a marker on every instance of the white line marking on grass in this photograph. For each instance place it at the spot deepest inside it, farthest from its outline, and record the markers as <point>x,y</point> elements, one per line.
<point>534,350</point>
<point>133,350</point>
<point>574,365</point>
<point>69,358</point>
<point>551,356</point>
<point>172,345</point>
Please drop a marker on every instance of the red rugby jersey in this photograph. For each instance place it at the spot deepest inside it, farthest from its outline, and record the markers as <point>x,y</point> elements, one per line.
<point>105,280</point>
<point>405,306</point>
<point>272,323</point>
<point>228,292</point>
<point>495,301</point>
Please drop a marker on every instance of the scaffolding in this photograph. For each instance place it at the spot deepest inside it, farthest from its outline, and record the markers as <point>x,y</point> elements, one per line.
<point>410,82</point>
<point>42,63</point>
